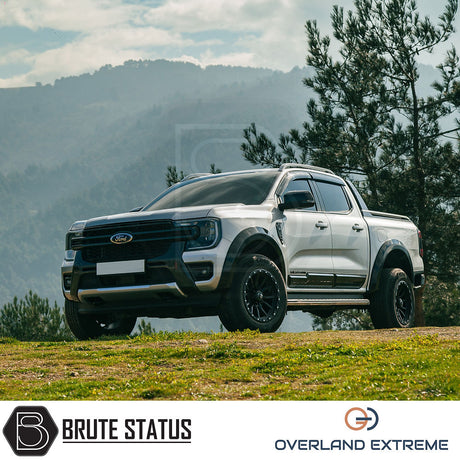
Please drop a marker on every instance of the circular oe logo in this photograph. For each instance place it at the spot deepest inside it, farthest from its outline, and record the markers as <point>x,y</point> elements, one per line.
<point>357,419</point>
<point>121,238</point>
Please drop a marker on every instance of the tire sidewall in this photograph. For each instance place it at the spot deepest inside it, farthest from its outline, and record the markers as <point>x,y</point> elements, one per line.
<point>399,279</point>
<point>86,327</point>
<point>383,303</point>
<point>235,306</point>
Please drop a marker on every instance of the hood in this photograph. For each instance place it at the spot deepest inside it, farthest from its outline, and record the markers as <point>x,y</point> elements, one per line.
<point>196,212</point>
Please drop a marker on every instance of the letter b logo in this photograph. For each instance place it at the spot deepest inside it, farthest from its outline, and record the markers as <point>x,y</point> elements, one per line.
<point>30,430</point>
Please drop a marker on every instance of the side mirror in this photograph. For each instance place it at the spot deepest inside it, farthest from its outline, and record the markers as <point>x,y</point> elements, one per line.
<point>297,200</point>
<point>136,209</point>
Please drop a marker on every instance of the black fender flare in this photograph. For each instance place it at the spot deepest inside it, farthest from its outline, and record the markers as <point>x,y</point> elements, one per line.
<point>245,238</point>
<point>388,247</point>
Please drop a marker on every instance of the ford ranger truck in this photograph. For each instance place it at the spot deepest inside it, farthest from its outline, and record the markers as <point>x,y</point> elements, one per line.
<point>247,246</point>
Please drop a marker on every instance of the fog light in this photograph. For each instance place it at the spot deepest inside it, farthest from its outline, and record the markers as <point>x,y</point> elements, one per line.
<point>201,271</point>
<point>67,282</point>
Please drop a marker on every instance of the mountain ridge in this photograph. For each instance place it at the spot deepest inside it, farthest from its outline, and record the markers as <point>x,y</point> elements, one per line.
<point>101,143</point>
<point>76,153</point>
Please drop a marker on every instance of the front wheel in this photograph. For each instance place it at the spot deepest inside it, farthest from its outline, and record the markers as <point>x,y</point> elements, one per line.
<point>86,327</point>
<point>393,305</point>
<point>257,296</point>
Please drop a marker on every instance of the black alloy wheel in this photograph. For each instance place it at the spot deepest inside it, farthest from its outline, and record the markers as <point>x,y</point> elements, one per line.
<point>403,303</point>
<point>393,305</point>
<point>261,295</point>
<point>256,298</point>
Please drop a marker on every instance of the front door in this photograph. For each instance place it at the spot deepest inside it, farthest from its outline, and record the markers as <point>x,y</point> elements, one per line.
<point>308,240</point>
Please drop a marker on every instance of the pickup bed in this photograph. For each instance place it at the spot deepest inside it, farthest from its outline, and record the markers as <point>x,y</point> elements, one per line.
<point>246,246</point>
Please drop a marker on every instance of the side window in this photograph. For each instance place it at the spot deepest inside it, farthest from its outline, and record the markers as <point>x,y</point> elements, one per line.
<point>334,197</point>
<point>299,185</point>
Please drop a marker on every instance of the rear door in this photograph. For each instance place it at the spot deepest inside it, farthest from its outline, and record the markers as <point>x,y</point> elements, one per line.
<point>350,241</point>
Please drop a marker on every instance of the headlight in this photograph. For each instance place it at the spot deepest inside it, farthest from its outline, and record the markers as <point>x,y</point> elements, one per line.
<point>206,233</point>
<point>75,230</point>
<point>77,226</point>
<point>69,255</point>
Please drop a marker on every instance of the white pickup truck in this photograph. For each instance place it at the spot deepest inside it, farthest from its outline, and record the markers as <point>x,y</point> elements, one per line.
<point>247,246</point>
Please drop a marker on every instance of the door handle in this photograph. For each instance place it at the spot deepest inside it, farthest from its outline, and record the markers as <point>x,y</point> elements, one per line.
<point>357,227</point>
<point>321,224</point>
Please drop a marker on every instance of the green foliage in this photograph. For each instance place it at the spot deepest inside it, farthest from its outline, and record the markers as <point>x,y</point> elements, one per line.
<point>369,120</point>
<point>213,169</point>
<point>32,319</point>
<point>346,320</point>
<point>442,303</point>
<point>145,328</point>
<point>173,176</point>
<point>260,150</point>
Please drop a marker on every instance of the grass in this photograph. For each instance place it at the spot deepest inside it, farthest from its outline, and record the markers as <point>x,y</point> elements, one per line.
<point>386,365</point>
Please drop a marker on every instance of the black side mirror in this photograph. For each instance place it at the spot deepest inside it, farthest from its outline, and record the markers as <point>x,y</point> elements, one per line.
<point>297,200</point>
<point>136,209</point>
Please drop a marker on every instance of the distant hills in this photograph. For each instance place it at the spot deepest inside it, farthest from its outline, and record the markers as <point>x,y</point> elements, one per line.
<point>100,144</point>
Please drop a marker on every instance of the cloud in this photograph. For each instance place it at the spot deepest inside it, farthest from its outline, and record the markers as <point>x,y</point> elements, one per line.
<point>266,33</point>
<point>80,16</point>
<point>195,15</point>
<point>91,52</point>
<point>15,56</point>
<point>271,31</point>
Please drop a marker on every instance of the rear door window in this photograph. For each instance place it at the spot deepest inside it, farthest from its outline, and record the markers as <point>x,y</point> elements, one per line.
<point>334,197</point>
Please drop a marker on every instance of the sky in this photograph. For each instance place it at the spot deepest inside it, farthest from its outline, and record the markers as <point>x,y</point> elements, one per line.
<point>43,40</point>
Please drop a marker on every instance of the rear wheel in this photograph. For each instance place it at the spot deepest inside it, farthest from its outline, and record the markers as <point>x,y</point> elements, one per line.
<point>256,298</point>
<point>393,305</point>
<point>91,327</point>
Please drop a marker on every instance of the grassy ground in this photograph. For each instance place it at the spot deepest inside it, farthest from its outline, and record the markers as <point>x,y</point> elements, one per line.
<point>418,364</point>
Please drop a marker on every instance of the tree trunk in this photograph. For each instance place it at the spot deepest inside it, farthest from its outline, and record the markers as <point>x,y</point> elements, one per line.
<point>420,198</point>
<point>419,313</point>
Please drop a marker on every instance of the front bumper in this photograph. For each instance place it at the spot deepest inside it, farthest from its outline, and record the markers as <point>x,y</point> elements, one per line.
<point>174,275</point>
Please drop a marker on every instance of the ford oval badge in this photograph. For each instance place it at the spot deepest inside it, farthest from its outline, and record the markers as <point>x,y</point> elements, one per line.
<point>121,238</point>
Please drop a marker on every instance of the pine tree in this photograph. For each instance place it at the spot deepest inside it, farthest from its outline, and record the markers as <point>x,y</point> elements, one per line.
<point>368,121</point>
<point>173,176</point>
<point>32,319</point>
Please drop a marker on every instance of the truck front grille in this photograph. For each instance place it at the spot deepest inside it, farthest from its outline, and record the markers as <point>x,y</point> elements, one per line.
<point>130,251</point>
<point>150,240</point>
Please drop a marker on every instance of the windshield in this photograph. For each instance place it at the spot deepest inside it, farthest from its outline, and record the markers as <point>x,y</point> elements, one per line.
<point>246,188</point>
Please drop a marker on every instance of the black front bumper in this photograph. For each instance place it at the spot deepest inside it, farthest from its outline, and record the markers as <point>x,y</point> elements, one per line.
<point>166,279</point>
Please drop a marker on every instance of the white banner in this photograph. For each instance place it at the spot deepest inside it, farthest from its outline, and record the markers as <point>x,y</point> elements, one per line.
<point>230,430</point>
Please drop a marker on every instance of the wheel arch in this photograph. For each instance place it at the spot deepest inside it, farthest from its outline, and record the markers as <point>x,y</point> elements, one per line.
<point>392,254</point>
<point>253,240</point>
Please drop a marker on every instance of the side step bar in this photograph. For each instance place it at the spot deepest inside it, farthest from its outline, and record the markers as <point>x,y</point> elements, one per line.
<point>328,302</point>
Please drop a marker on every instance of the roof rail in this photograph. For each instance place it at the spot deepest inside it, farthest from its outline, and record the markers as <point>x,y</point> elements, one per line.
<point>301,166</point>
<point>195,175</point>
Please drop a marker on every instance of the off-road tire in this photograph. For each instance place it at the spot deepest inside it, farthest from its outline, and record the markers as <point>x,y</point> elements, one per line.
<point>86,327</point>
<point>256,298</point>
<point>393,305</point>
